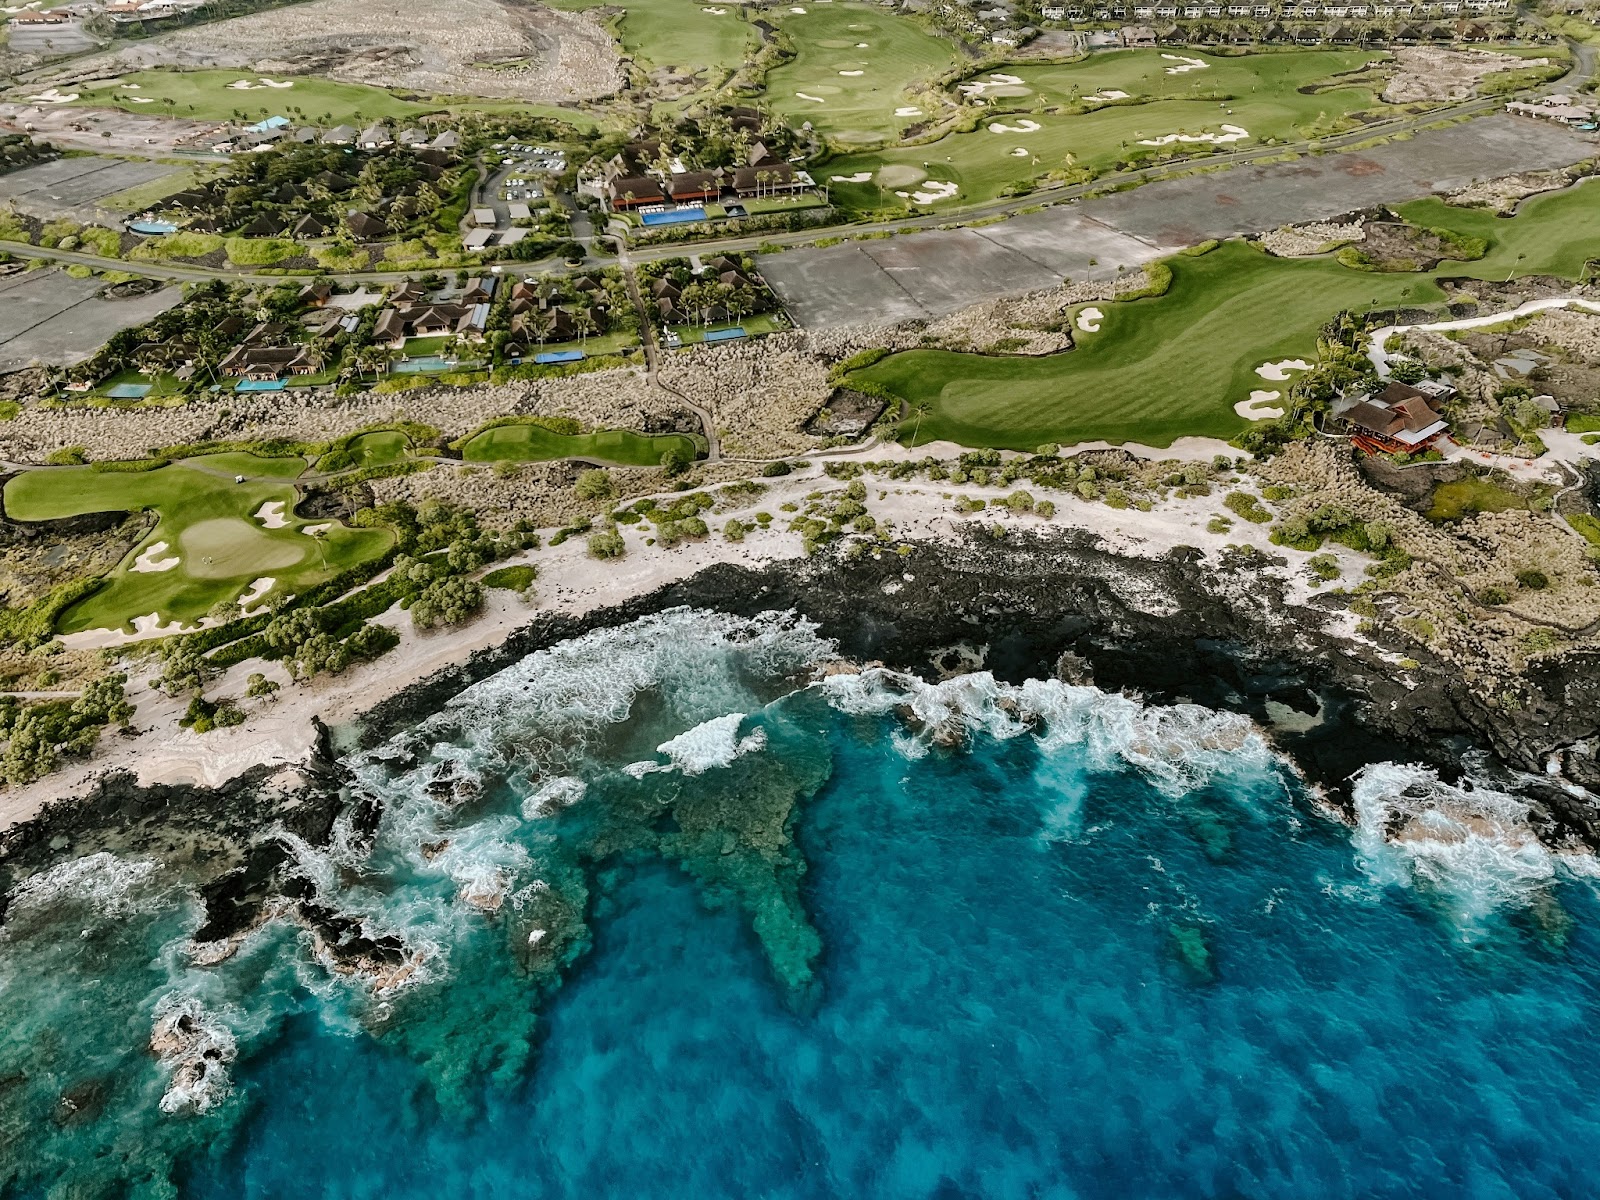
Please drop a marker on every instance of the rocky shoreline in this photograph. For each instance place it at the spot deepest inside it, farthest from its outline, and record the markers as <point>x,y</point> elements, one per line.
<point>1221,633</point>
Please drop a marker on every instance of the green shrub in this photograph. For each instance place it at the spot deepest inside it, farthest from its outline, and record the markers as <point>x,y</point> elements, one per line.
<point>607,544</point>
<point>517,578</point>
<point>1534,581</point>
<point>1244,505</point>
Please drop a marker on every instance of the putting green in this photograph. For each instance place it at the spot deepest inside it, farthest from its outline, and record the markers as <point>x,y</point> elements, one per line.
<point>534,443</point>
<point>209,95</point>
<point>1158,369</point>
<point>1036,125</point>
<point>208,523</point>
<point>861,63</point>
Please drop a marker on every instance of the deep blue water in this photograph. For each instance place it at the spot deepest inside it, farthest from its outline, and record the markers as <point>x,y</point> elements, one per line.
<point>1093,951</point>
<point>1003,1015</point>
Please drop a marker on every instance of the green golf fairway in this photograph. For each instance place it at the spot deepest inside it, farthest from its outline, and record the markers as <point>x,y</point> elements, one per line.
<point>855,63</point>
<point>1158,369</point>
<point>534,443</point>
<point>208,523</point>
<point>1031,130</point>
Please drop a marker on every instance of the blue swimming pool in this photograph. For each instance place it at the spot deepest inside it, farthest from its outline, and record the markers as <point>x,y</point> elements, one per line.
<point>723,335</point>
<point>152,227</point>
<point>559,356</point>
<point>260,385</point>
<point>129,391</point>
<point>676,216</point>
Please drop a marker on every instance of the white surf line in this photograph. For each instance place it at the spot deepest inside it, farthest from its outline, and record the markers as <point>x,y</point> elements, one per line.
<point>270,514</point>
<point>1185,63</point>
<point>1023,125</point>
<point>1259,407</point>
<point>1279,371</point>
<point>1230,133</point>
<point>1089,320</point>
<point>1380,357</point>
<point>150,561</point>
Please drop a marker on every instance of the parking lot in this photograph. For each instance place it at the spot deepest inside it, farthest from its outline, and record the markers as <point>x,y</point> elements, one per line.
<point>932,273</point>
<point>72,187</point>
<point>523,172</point>
<point>48,316</point>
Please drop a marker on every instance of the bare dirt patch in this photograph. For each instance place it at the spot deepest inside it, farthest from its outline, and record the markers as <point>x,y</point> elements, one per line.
<point>467,47</point>
<point>1502,196</point>
<point>1434,73</point>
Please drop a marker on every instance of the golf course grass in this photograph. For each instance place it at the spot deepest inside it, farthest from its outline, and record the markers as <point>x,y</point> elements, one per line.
<point>1037,124</point>
<point>859,64</point>
<point>208,523</point>
<point>687,34</point>
<point>533,443</point>
<point>1553,234</point>
<point>205,95</point>
<point>1158,369</point>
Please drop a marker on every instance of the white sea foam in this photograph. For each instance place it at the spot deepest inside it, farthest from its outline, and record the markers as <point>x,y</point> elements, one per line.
<point>194,1046</point>
<point>713,743</point>
<point>554,795</point>
<point>1470,844</point>
<point>111,886</point>
<point>546,707</point>
<point>1178,747</point>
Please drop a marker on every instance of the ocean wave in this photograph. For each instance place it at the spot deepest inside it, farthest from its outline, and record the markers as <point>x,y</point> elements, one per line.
<point>1178,747</point>
<point>1471,843</point>
<point>108,885</point>
<point>544,708</point>
<point>553,795</point>
<point>711,744</point>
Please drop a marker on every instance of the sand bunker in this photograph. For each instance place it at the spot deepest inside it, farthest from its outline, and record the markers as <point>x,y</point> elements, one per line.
<point>1020,152</point>
<point>1106,95</point>
<point>815,99</point>
<point>1089,320</point>
<point>858,177</point>
<point>138,100</point>
<point>1259,407</point>
<point>931,192</point>
<point>715,12</point>
<point>861,45</point>
<point>271,515</point>
<point>1230,133</point>
<point>258,588</point>
<point>908,110</point>
<point>798,10</point>
<point>1185,63</point>
<point>150,561</point>
<point>244,85</point>
<point>852,74</point>
<point>1279,371</point>
<point>995,82</point>
<point>51,96</point>
<point>1022,126</point>
<point>317,530</point>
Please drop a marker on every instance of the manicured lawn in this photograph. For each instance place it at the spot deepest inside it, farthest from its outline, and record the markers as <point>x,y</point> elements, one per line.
<point>1550,235</point>
<point>1158,369</point>
<point>208,523</point>
<point>753,326</point>
<point>376,449</point>
<point>860,63</point>
<point>681,33</point>
<point>1258,93</point>
<point>772,204</point>
<point>160,384</point>
<point>206,96</point>
<point>534,443</point>
<point>604,343</point>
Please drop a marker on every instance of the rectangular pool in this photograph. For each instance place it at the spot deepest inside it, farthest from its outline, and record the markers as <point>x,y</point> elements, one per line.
<point>676,216</point>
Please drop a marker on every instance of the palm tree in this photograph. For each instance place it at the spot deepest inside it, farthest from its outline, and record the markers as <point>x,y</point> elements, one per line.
<point>921,408</point>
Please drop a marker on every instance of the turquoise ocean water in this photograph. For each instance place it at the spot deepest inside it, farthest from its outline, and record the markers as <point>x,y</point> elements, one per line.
<point>701,934</point>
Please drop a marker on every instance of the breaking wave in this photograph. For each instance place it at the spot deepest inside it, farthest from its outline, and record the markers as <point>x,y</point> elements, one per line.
<point>1470,844</point>
<point>109,886</point>
<point>194,1046</point>
<point>1178,747</point>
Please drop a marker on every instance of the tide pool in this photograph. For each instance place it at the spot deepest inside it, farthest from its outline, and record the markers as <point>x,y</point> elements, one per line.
<point>1038,941</point>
